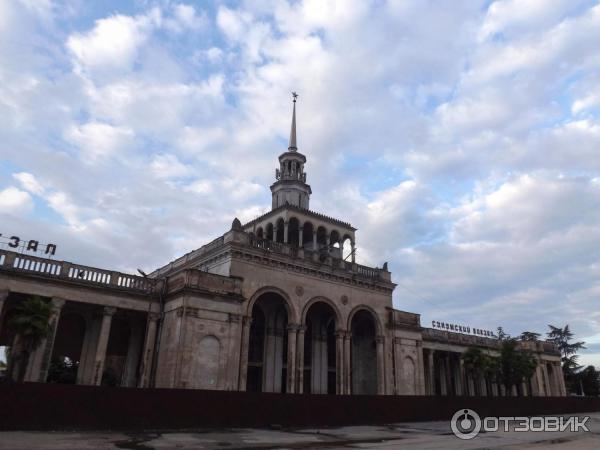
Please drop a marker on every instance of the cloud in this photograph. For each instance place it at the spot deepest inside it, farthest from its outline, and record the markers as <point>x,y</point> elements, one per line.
<point>15,202</point>
<point>29,183</point>
<point>461,140</point>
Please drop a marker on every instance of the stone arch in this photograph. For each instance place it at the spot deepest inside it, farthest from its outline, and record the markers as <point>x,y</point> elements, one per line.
<point>267,345</point>
<point>294,232</point>
<point>279,230</point>
<point>364,357</point>
<point>321,236</point>
<point>269,233</point>
<point>320,362</point>
<point>307,235</point>
<point>207,362</point>
<point>357,309</point>
<point>317,299</point>
<point>292,315</point>
<point>346,247</point>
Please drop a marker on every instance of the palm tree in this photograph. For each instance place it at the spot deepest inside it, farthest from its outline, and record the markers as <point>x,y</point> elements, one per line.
<point>31,324</point>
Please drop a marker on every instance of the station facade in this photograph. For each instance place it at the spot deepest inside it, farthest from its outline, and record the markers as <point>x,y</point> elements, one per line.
<point>278,304</point>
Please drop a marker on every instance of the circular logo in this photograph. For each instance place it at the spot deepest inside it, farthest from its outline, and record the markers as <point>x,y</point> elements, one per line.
<point>465,424</point>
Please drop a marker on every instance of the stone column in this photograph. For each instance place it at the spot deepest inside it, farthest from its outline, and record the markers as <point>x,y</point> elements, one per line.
<point>39,361</point>
<point>547,385</point>
<point>300,359</point>
<point>107,315</point>
<point>347,365</point>
<point>148,352</point>
<point>431,372</point>
<point>458,369</point>
<point>380,365</point>
<point>233,356</point>
<point>420,369</point>
<point>353,253</point>
<point>246,323</point>
<point>561,380</point>
<point>3,298</point>
<point>134,348</point>
<point>300,236</point>
<point>291,358</point>
<point>461,373</point>
<point>339,361</point>
<point>442,374</point>
<point>285,231</point>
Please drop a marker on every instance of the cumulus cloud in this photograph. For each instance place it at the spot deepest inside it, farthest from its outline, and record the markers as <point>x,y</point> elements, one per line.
<point>461,140</point>
<point>13,201</point>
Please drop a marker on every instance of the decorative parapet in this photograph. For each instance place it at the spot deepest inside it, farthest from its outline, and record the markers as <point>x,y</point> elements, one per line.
<point>198,280</point>
<point>431,334</point>
<point>401,319</point>
<point>34,265</point>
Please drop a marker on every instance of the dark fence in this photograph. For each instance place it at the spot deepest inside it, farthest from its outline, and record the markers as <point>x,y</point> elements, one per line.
<point>36,406</point>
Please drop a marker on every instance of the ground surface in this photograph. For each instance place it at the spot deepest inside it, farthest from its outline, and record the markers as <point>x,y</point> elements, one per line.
<point>423,435</point>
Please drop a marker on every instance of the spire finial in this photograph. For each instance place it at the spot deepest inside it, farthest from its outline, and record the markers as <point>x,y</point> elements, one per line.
<point>292,146</point>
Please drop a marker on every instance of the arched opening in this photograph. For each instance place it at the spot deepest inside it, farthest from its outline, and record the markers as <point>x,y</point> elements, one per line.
<point>320,350</point>
<point>267,349</point>
<point>334,242</point>
<point>347,247</point>
<point>364,354</point>
<point>321,237</point>
<point>307,236</point>
<point>269,233</point>
<point>260,233</point>
<point>279,230</point>
<point>66,354</point>
<point>294,232</point>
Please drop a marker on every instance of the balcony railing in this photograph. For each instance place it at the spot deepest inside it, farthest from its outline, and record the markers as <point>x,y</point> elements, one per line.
<point>295,252</point>
<point>74,272</point>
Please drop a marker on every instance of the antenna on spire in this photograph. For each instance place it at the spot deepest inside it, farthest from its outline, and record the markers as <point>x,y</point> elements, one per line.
<point>292,146</point>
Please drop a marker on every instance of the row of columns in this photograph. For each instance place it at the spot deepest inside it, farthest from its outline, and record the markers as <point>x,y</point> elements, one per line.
<point>93,352</point>
<point>295,359</point>
<point>314,237</point>
<point>454,380</point>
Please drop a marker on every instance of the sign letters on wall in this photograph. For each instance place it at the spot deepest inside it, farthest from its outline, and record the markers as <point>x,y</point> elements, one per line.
<point>31,245</point>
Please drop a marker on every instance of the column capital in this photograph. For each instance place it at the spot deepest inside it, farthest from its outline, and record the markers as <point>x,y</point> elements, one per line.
<point>153,316</point>
<point>293,327</point>
<point>379,339</point>
<point>109,311</point>
<point>58,303</point>
<point>339,333</point>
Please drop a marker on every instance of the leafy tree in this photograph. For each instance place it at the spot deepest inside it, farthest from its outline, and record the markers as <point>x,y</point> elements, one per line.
<point>502,335</point>
<point>31,324</point>
<point>563,339</point>
<point>516,365</point>
<point>587,381</point>
<point>529,336</point>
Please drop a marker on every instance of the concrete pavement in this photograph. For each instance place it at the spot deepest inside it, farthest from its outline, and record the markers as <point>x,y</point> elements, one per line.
<point>422,435</point>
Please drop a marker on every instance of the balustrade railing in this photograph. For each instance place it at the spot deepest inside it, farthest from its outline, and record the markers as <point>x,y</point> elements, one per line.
<point>76,272</point>
<point>290,250</point>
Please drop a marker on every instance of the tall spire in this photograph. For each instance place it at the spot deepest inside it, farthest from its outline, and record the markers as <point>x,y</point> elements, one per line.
<point>293,146</point>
